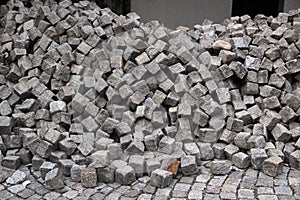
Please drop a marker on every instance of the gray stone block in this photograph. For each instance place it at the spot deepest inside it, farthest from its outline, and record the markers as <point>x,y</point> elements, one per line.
<point>294,159</point>
<point>206,151</point>
<point>152,164</point>
<point>189,165</point>
<point>137,162</point>
<point>223,95</point>
<point>198,91</point>
<point>241,140</point>
<point>220,167</point>
<point>55,156</point>
<point>54,179</point>
<point>230,150</point>
<point>135,147</point>
<point>255,112</point>
<point>90,124</point>
<point>11,161</point>
<point>106,174</point>
<point>227,56</point>
<point>5,108</point>
<point>22,89</point>
<point>5,91</point>
<point>151,142</point>
<point>276,80</point>
<point>287,114</point>
<point>270,119</point>
<point>219,150</point>
<point>271,102</point>
<point>281,133</point>
<point>159,97</point>
<point>53,136</point>
<point>250,88</point>
<point>227,136</point>
<point>44,149</point>
<point>125,175</point>
<point>79,102</point>
<point>161,178</point>
<point>258,156</point>
<point>76,172</point>
<point>224,72</point>
<point>88,177</point>
<point>142,58</point>
<point>166,145</point>
<point>136,99</point>
<point>234,124</point>
<point>109,125</point>
<point>184,55</point>
<point>273,166</point>
<point>241,160</point>
<point>46,167</point>
<point>102,143</point>
<point>6,124</point>
<point>65,166</point>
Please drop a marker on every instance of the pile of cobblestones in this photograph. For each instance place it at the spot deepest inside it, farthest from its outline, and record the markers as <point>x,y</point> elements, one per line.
<point>98,97</point>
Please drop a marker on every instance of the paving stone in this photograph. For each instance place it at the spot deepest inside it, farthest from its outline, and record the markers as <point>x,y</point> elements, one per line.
<point>206,151</point>
<point>12,162</point>
<point>125,175</point>
<point>54,179</point>
<point>221,44</point>
<point>17,177</point>
<point>273,166</point>
<point>234,124</point>
<point>241,160</point>
<point>281,133</point>
<point>88,177</point>
<point>136,146</point>
<point>138,164</point>
<point>5,125</point>
<point>166,145</point>
<point>245,194</point>
<point>294,159</point>
<point>220,167</point>
<point>189,165</point>
<point>181,190</point>
<point>258,156</point>
<point>27,194</point>
<point>264,197</point>
<point>283,191</point>
<point>161,178</point>
<point>6,194</point>
<point>46,167</point>
<point>227,56</point>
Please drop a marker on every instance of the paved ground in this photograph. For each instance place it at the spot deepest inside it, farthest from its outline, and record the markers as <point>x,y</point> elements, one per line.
<point>241,184</point>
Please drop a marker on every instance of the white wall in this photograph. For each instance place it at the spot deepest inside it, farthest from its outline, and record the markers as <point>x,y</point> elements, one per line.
<point>291,5</point>
<point>174,13</point>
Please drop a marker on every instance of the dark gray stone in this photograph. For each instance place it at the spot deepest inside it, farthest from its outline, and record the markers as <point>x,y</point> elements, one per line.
<point>189,165</point>
<point>88,177</point>
<point>125,175</point>
<point>220,167</point>
<point>273,166</point>
<point>161,178</point>
<point>54,179</point>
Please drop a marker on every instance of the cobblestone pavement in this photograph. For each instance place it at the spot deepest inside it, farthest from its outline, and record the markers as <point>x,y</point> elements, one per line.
<point>239,184</point>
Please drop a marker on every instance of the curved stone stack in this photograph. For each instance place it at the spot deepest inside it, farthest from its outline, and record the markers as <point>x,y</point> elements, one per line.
<point>99,97</point>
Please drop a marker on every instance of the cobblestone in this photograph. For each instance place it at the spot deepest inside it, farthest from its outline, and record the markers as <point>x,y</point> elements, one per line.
<point>102,106</point>
<point>242,184</point>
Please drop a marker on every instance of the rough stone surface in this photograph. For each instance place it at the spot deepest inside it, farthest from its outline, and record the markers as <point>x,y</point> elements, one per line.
<point>91,100</point>
<point>161,178</point>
